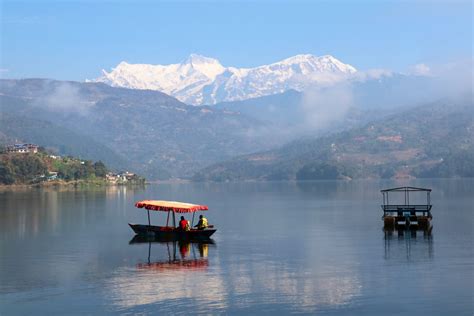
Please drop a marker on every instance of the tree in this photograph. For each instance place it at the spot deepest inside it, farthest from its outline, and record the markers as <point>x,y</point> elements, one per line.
<point>317,171</point>
<point>6,173</point>
<point>100,169</point>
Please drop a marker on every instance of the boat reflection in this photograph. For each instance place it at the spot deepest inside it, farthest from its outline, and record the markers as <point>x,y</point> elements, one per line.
<point>408,244</point>
<point>193,255</point>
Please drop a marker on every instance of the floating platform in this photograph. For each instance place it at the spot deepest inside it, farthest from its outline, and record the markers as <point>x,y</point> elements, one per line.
<point>405,215</point>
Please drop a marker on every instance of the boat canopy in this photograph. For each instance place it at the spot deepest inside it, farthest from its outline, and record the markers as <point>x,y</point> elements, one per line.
<point>166,206</point>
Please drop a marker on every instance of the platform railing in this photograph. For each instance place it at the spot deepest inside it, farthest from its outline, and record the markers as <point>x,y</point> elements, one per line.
<point>403,207</point>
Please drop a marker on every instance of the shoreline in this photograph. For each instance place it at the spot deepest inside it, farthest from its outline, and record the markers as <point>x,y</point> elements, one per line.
<point>68,184</point>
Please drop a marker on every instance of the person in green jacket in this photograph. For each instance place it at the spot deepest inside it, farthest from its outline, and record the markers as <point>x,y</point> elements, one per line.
<point>202,224</point>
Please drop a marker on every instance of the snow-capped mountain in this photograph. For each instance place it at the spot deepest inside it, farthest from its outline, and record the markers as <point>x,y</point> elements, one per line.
<point>203,80</point>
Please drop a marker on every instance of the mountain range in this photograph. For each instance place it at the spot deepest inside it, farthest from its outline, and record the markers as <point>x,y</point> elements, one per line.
<point>202,80</point>
<point>145,131</point>
<point>432,140</point>
<point>289,111</point>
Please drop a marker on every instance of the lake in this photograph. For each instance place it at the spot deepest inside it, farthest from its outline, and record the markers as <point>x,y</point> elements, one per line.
<point>309,247</point>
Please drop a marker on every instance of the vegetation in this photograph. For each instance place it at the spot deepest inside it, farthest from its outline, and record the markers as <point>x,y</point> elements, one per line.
<point>435,140</point>
<point>32,168</point>
<point>140,130</point>
<point>21,168</point>
<point>58,139</point>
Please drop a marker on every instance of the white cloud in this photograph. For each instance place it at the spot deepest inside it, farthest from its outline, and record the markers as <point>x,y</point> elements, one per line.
<point>65,97</point>
<point>327,105</point>
<point>375,73</point>
<point>420,70</point>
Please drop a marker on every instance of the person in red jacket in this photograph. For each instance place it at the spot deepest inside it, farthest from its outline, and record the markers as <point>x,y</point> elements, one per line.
<point>183,224</point>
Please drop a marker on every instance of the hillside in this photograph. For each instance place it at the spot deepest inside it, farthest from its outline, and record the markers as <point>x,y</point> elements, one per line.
<point>320,111</point>
<point>41,167</point>
<point>434,140</point>
<point>58,139</point>
<point>157,135</point>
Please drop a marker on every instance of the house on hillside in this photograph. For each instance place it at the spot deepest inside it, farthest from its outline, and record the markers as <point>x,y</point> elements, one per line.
<point>122,177</point>
<point>23,148</point>
<point>52,175</point>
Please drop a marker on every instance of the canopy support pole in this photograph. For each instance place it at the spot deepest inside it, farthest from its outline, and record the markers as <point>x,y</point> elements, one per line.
<point>168,219</point>
<point>192,222</point>
<point>174,219</point>
<point>149,223</point>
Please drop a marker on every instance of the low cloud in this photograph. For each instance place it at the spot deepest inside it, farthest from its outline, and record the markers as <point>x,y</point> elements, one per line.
<point>376,73</point>
<point>65,97</point>
<point>3,72</point>
<point>326,105</point>
<point>454,79</point>
<point>420,70</point>
<point>323,106</point>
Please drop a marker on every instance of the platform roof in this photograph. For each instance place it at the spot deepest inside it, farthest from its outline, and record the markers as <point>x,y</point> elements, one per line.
<point>404,189</point>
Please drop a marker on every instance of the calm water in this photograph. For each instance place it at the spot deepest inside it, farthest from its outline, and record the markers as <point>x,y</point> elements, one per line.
<point>315,247</point>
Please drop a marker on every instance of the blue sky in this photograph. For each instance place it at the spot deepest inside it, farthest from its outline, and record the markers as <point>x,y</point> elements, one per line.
<point>74,40</point>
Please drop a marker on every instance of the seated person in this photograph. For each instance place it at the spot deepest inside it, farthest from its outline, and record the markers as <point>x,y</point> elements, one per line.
<point>202,224</point>
<point>183,224</point>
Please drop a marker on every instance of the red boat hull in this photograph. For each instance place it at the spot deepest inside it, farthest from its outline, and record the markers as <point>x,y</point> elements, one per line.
<point>171,233</point>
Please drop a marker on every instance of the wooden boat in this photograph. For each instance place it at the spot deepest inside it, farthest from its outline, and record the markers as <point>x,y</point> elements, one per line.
<point>403,214</point>
<point>171,232</point>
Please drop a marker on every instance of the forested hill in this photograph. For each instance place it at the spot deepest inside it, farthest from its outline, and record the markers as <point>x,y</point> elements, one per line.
<point>41,167</point>
<point>155,134</point>
<point>58,139</point>
<point>434,140</point>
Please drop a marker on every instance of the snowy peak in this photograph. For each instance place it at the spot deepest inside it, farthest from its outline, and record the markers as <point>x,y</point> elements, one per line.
<point>196,59</point>
<point>326,63</point>
<point>204,80</point>
<point>210,67</point>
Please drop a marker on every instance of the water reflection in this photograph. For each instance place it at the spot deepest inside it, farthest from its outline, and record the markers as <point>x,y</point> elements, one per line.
<point>58,209</point>
<point>282,248</point>
<point>193,255</point>
<point>171,271</point>
<point>409,245</point>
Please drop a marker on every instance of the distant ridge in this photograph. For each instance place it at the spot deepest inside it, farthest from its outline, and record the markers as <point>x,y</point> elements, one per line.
<point>202,80</point>
<point>436,141</point>
<point>144,131</point>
